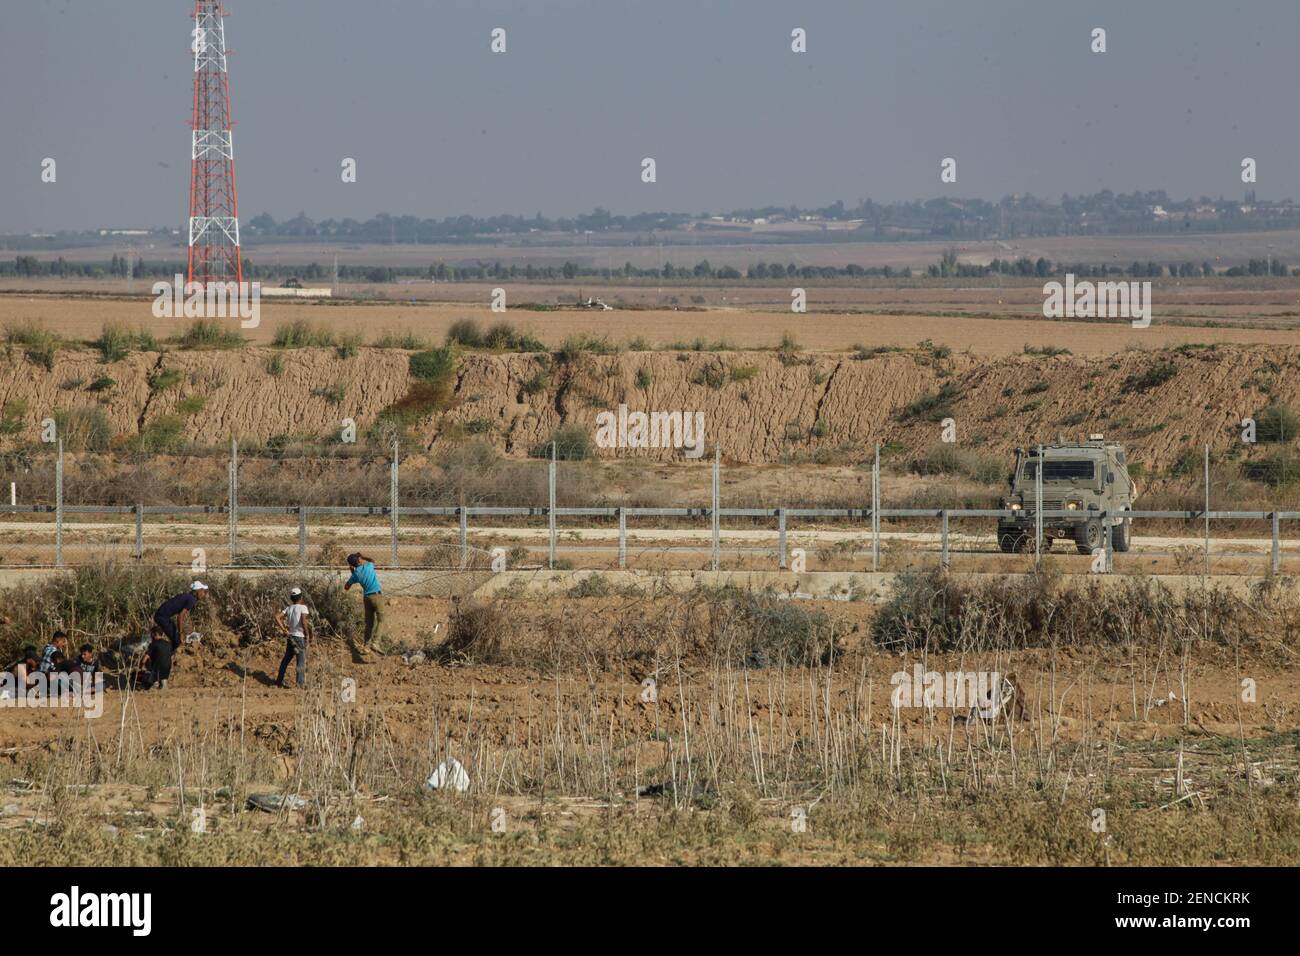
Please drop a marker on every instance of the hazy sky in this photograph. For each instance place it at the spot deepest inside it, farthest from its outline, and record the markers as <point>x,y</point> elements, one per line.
<point>559,124</point>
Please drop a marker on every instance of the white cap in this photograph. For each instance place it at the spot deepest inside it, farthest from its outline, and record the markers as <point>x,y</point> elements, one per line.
<point>198,586</point>
<point>296,592</point>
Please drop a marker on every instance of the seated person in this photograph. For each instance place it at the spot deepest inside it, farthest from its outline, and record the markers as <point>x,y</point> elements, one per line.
<point>157,661</point>
<point>25,669</point>
<point>86,664</point>
<point>58,645</point>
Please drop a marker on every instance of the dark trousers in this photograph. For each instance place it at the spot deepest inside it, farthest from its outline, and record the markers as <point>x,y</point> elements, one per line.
<point>296,648</point>
<point>168,624</point>
<point>160,668</point>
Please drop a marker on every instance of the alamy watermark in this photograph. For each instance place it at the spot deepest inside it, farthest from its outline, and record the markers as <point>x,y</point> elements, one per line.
<point>53,691</point>
<point>1093,300</point>
<point>624,429</point>
<point>983,691</point>
<point>215,300</point>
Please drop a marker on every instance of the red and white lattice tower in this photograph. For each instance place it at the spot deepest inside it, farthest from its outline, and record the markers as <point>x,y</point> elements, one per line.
<point>214,254</point>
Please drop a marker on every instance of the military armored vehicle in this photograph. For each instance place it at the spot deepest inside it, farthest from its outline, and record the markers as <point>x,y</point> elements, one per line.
<point>1081,478</point>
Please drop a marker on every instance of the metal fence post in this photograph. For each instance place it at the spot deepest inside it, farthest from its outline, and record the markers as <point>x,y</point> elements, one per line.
<point>944,536</point>
<point>1038,509</point>
<point>302,535</point>
<point>1207,509</point>
<point>875,511</point>
<point>550,510</point>
<point>622,538</point>
<point>780,538</point>
<point>1109,529</point>
<point>58,508</point>
<point>1277,543</point>
<point>139,532</point>
<point>233,500</point>
<point>392,504</point>
<point>717,497</point>
<point>463,514</point>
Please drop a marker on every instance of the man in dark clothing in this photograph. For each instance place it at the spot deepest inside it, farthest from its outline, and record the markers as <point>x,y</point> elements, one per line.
<point>157,661</point>
<point>174,613</point>
<point>86,664</point>
<point>26,668</point>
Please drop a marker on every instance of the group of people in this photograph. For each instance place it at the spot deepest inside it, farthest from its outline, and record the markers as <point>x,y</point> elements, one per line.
<point>54,659</point>
<point>172,617</point>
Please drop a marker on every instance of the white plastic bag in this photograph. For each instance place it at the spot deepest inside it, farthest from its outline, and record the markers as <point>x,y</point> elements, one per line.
<point>448,775</point>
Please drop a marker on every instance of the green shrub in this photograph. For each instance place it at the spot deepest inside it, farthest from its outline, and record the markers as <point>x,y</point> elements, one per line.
<point>934,407</point>
<point>465,332</point>
<point>572,443</point>
<point>116,342</point>
<point>105,602</point>
<point>642,379</point>
<point>165,434</point>
<point>302,335</point>
<point>333,394</point>
<point>949,459</point>
<point>165,379</point>
<point>38,344</point>
<point>575,346</point>
<point>408,341</point>
<point>711,376</point>
<point>434,366</point>
<point>1277,423</point>
<point>84,429</point>
<point>101,384</point>
<point>192,405</point>
<point>13,416</point>
<point>433,371</point>
<point>862,353</point>
<point>788,351</point>
<point>505,337</point>
<point>347,345</point>
<point>210,334</point>
<point>1282,467</point>
<point>1153,377</point>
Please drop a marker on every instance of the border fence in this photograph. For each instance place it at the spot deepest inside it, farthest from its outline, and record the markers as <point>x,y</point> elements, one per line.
<point>130,532</point>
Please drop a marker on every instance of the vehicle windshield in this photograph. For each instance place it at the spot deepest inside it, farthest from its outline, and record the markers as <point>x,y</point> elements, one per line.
<point>1062,469</point>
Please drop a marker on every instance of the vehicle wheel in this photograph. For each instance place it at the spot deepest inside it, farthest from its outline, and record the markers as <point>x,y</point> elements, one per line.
<point>1123,535</point>
<point>1087,537</point>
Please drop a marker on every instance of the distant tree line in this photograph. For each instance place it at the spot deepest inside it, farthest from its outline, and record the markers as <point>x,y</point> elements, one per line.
<point>947,267</point>
<point>1101,213</point>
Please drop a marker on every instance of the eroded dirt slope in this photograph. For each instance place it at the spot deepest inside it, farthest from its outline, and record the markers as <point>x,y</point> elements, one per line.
<point>761,406</point>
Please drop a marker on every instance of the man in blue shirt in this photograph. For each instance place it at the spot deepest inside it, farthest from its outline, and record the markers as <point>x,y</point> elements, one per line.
<point>174,612</point>
<point>363,574</point>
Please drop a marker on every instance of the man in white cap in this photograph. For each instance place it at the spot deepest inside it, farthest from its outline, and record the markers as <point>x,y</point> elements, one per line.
<point>295,621</point>
<point>174,612</point>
